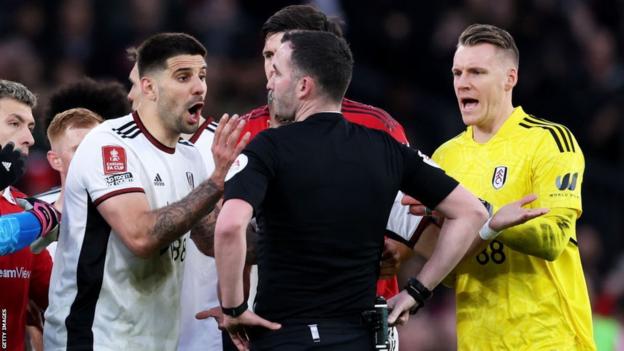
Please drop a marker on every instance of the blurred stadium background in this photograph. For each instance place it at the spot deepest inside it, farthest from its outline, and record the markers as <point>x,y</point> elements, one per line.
<point>571,72</point>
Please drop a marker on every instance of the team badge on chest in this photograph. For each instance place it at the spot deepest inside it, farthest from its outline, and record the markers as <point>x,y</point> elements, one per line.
<point>499,177</point>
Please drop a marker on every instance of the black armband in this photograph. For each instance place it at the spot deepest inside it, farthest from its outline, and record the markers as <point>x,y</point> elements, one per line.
<point>418,292</point>
<point>235,311</point>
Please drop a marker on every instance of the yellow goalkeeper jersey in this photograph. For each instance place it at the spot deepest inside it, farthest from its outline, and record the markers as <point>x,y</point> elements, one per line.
<point>507,299</point>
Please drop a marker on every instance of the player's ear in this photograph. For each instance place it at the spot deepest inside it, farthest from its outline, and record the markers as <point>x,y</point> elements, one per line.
<point>511,78</point>
<point>54,160</point>
<point>149,88</point>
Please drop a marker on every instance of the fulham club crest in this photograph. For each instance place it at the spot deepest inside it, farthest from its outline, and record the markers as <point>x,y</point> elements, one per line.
<point>499,177</point>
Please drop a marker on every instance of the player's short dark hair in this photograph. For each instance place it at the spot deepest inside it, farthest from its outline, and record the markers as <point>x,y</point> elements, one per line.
<point>301,17</point>
<point>486,33</point>
<point>106,98</point>
<point>17,91</point>
<point>154,52</point>
<point>323,56</point>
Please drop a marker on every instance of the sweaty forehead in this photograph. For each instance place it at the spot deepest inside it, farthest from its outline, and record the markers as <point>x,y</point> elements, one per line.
<point>186,62</point>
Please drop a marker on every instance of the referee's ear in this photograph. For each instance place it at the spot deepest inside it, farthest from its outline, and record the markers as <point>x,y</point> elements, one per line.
<point>306,87</point>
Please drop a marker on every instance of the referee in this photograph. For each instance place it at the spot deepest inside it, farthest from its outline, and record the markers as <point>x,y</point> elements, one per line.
<point>322,189</point>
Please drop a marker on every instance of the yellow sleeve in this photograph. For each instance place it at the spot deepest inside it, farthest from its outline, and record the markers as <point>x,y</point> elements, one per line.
<point>557,173</point>
<point>544,237</point>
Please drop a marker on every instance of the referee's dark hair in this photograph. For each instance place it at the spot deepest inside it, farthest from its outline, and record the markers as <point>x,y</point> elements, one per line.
<point>302,17</point>
<point>486,33</point>
<point>154,52</point>
<point>323,56</point>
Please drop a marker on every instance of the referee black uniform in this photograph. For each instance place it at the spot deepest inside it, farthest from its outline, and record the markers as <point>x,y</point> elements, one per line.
<point>322,190</point>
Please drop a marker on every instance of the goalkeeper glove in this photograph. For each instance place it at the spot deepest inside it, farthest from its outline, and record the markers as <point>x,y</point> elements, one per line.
<point>12,163</point>
<point>48,217</point>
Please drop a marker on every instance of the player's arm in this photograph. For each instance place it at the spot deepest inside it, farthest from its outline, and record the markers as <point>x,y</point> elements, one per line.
<point>21,229</point>
<point>203,235</point>
<point>557,175</point>
<point>145,231</point>
<point>545,237</point>
<point>508,216</point>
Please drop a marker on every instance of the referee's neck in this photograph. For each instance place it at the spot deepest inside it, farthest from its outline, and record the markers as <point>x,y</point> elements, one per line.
<point>312,107</point>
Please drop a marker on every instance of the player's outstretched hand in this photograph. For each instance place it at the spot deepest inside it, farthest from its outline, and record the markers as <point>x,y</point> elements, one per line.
<point>418,208</point>
<point>227,145</point>
<point>12,163</point>
<point>214,312</point>
<point>236,327</point>
<point>400,305</point>
<point>514,213</point>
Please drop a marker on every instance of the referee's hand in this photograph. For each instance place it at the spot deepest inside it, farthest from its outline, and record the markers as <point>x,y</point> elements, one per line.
<point>400,306</point>
<point>236,327</point>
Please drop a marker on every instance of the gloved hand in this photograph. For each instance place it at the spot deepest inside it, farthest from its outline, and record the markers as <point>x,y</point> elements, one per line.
<point>48,217</point>
<point>12,164</point>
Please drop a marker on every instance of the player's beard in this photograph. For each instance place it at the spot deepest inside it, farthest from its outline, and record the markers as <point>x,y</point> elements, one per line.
<point>174,116</point>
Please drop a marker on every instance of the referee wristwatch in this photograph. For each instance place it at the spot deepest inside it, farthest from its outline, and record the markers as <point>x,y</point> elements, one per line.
<point>235,311</point>
<point>418,292</point>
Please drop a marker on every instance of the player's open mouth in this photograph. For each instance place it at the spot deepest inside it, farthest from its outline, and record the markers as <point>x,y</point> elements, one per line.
<point>196,108</point>
<point>195,112</point>
<point>469,103</point>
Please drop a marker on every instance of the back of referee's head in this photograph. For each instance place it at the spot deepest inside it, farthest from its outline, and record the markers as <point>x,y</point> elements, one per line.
<point>324,57</point>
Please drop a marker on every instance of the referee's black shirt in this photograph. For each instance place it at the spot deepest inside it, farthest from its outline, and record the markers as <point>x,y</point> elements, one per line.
<point>322,190</point>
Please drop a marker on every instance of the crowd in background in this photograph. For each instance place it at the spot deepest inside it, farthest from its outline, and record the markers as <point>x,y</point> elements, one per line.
<point>571,72</point>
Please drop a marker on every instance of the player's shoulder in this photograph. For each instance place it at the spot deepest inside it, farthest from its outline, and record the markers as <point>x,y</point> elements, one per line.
<point>355,111</point>
<point>118,128</point>
<point>544,132</point>
<point>373,117</point>
<point>261,112</point>
<point>453,143</point>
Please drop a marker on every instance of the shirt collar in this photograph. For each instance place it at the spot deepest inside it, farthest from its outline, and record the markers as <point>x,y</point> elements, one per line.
<point>8,195</point>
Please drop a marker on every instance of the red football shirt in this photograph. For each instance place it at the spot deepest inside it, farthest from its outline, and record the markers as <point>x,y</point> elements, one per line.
<point>356,112</point>
<point>23,276</point>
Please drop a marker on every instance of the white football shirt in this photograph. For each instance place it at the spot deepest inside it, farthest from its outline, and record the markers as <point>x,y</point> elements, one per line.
<point>102,296</point>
